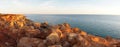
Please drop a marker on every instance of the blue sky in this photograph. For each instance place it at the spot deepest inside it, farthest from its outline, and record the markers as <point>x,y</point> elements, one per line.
<point>60,6</point>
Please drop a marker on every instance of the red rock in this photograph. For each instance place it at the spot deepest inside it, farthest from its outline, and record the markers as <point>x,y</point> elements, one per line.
<point>6,40</point>
<point>76,30</point>
<point>66,44</point>
<point>53,38</point>
<point>18,31</point>
<point>28,42</point>
<point>67,25</point>
<point>44,33</point>
<point>55,46</point>
<point>72,38</point>
<point>83,33</point>
<point>32,33</point>
<point>41,44</point>
<point>36,25</point>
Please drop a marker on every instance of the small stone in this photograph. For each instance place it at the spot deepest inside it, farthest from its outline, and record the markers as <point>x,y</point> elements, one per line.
<point>76,30</point>
<point>28,42</point>
<point>32,33</point>
<point>72,38</point>
<point>66,25</point>
<point>55,46</point>
<point>41,44</point>
<point>83,33</point>
<point>36,25</point>
<point>66,44</point>
<point>53,38</point>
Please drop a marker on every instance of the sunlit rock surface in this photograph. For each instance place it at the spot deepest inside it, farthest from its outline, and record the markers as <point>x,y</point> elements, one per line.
<point>18,31</point>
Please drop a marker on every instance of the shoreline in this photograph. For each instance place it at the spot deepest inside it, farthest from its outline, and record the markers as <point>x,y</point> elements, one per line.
<point>18,31</point>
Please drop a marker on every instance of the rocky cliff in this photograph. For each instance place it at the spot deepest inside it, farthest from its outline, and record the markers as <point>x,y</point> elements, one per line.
<point>18,31</point>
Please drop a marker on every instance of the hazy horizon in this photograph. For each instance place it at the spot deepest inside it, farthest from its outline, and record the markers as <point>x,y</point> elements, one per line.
<point>110,7</point>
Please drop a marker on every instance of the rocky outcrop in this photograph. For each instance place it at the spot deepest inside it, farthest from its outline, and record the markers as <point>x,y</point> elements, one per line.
<point>18,31</point>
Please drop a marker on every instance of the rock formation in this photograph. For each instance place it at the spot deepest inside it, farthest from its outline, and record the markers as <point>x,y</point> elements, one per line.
<point>18,31</point>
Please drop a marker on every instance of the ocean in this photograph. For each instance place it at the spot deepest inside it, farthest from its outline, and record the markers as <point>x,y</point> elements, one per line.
<point>100,25</point>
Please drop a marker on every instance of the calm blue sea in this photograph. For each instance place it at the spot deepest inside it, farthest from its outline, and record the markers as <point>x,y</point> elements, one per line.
<point>100,25</point>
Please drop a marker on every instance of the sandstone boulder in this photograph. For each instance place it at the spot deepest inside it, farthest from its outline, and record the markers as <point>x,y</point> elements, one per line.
<point>28,42</point>
<point>53,38</point>
<point>55,46</point>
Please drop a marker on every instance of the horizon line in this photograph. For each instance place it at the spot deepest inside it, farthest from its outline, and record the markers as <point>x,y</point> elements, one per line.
<point>62,13</point>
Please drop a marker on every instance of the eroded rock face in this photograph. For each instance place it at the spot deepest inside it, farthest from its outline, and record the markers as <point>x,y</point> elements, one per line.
<point>17,31</point>
<point>13,19</point>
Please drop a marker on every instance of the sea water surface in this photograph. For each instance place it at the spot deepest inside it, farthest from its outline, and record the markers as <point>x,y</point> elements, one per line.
<point>100,25</point>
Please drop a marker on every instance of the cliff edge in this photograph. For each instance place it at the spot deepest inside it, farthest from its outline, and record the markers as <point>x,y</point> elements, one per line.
<point>18,31</point>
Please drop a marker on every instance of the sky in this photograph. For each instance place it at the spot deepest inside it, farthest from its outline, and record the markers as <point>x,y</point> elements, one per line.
<point>60,6</point>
